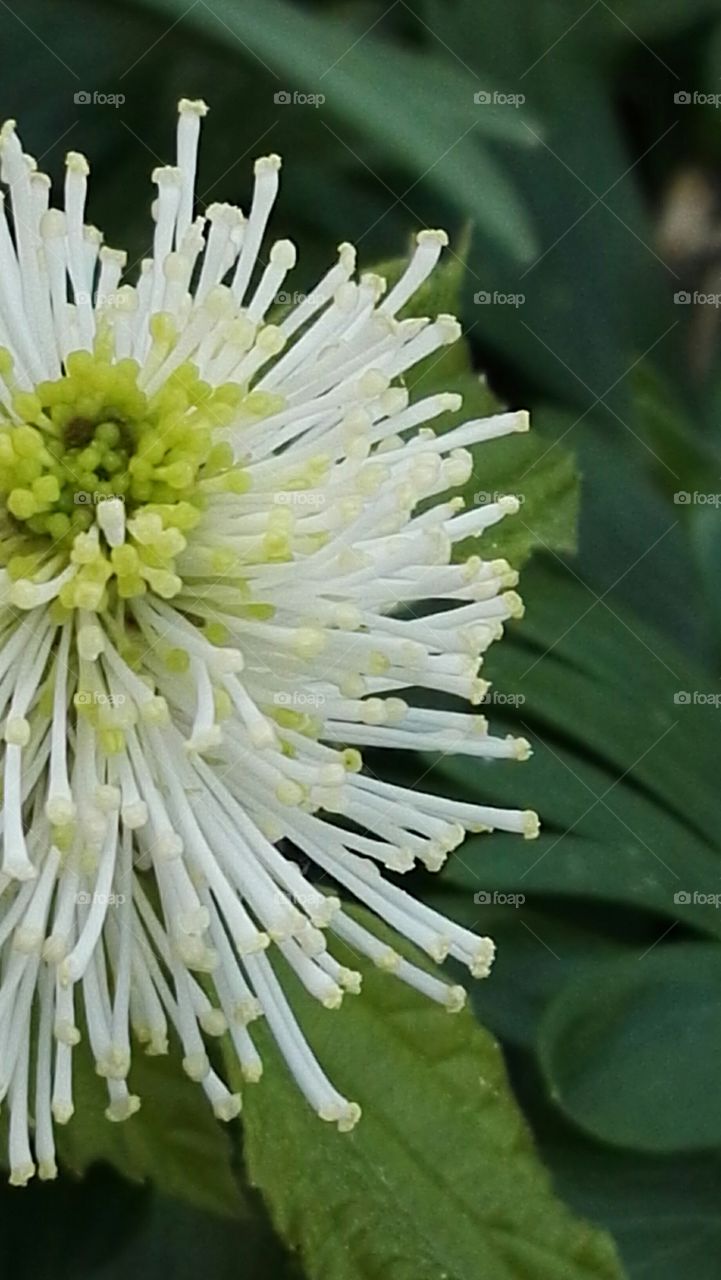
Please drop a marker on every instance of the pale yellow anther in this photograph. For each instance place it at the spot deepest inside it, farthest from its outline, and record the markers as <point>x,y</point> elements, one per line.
<point>76,163</point>
<point>17,731</point>
<point>267,164</point>
<point>193,107</point>
<point>531,825</point>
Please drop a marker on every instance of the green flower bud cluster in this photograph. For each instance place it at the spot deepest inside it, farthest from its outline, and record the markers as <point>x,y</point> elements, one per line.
<point>92,435</point>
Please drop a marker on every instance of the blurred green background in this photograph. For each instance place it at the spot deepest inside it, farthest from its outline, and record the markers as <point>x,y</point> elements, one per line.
<point>579,145</point>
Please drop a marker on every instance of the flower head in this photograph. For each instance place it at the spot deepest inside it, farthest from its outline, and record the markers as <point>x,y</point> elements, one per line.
<point>217,532</point>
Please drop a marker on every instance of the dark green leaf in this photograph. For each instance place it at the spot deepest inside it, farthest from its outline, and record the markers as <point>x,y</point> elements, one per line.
<point>389,92</point>
<point>663,1211</point>
<point>631,1049</point>
<point>623,772</point>
<point>174,1141</point>
<point>439,1179</point>
<point>538,950</point>
<point>624,513</point>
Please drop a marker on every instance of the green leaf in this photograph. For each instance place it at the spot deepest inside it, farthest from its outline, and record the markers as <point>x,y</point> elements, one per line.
<point>653,19</point>
<point>439,1179</point>
<point>667,425</point>
<point>625,511</point>
<point>623,772</point>
<point>625,870</point>
<point>537,952</point>
<point>664,1211</point>
<point>704,534</point>
<point>630,1051</point>
<point>388,92</point>
<point>560,344</point>
<point>174,1141</point>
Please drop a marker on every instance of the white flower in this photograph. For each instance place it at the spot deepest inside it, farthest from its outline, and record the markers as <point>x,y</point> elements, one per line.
<point>216,534</point>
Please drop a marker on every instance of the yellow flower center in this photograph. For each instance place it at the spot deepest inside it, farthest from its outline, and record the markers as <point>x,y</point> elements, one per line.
<point>94,435</point>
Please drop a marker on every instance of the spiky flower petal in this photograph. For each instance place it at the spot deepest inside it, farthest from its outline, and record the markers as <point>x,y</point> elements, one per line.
<point>217,532</point>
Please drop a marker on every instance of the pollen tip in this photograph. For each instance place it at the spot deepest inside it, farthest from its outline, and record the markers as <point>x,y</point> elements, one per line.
<point>157,1046</point>
<point>76,162</point>
<point>343,1114</point>
<point>333,997</point>
<point>267,164</point>
<point>134,815</point>
<point>214,1022</point>
<point>21,1174</point>
<point>347,255</point>
<point>63,1112</point>
<point>455,999</point>
<point>430,236</point>
<point>53,224</point>
<point>351,980</point>
<point>196,1066</point>
<point>167,175</point>
<point>450,328</point>
<point>122,1109</point>
<point>227,1108</point>
<point>508,504</point>
<point>193,107</point>
<point>108,254</point>
<point>17,731</point>
<point>26,940</point>
<point>531,825</point>
<point>284,254</point>
<point>55,949</point>
<point>514,604</point>
<point>450,401</point>
<point>349,1118</point>
<point>388,960</point>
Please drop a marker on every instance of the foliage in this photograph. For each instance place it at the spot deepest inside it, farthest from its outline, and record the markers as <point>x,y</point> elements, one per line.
<point>440,1140</point>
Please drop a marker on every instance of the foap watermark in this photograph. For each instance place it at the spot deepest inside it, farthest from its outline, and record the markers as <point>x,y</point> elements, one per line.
<point>496,698</point>
<point>111,299</point>
<point>86,498</point>
<point>495,898</point>
<point>696,698</point>
<point>683,498</point>
<point>296,98</point>
<point>494,298</point>
<point>96,98</point>
<point>483,496</point>
<point>684,898</point>
<point>684,298</point>
<point>299,699</point>
<point>96,698</point>
<point>299,498</point>
<point>695,98</point>
<point>305,899</point>
<point>85,899</point>
<point>495,98</point>
<point>285,299</point>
